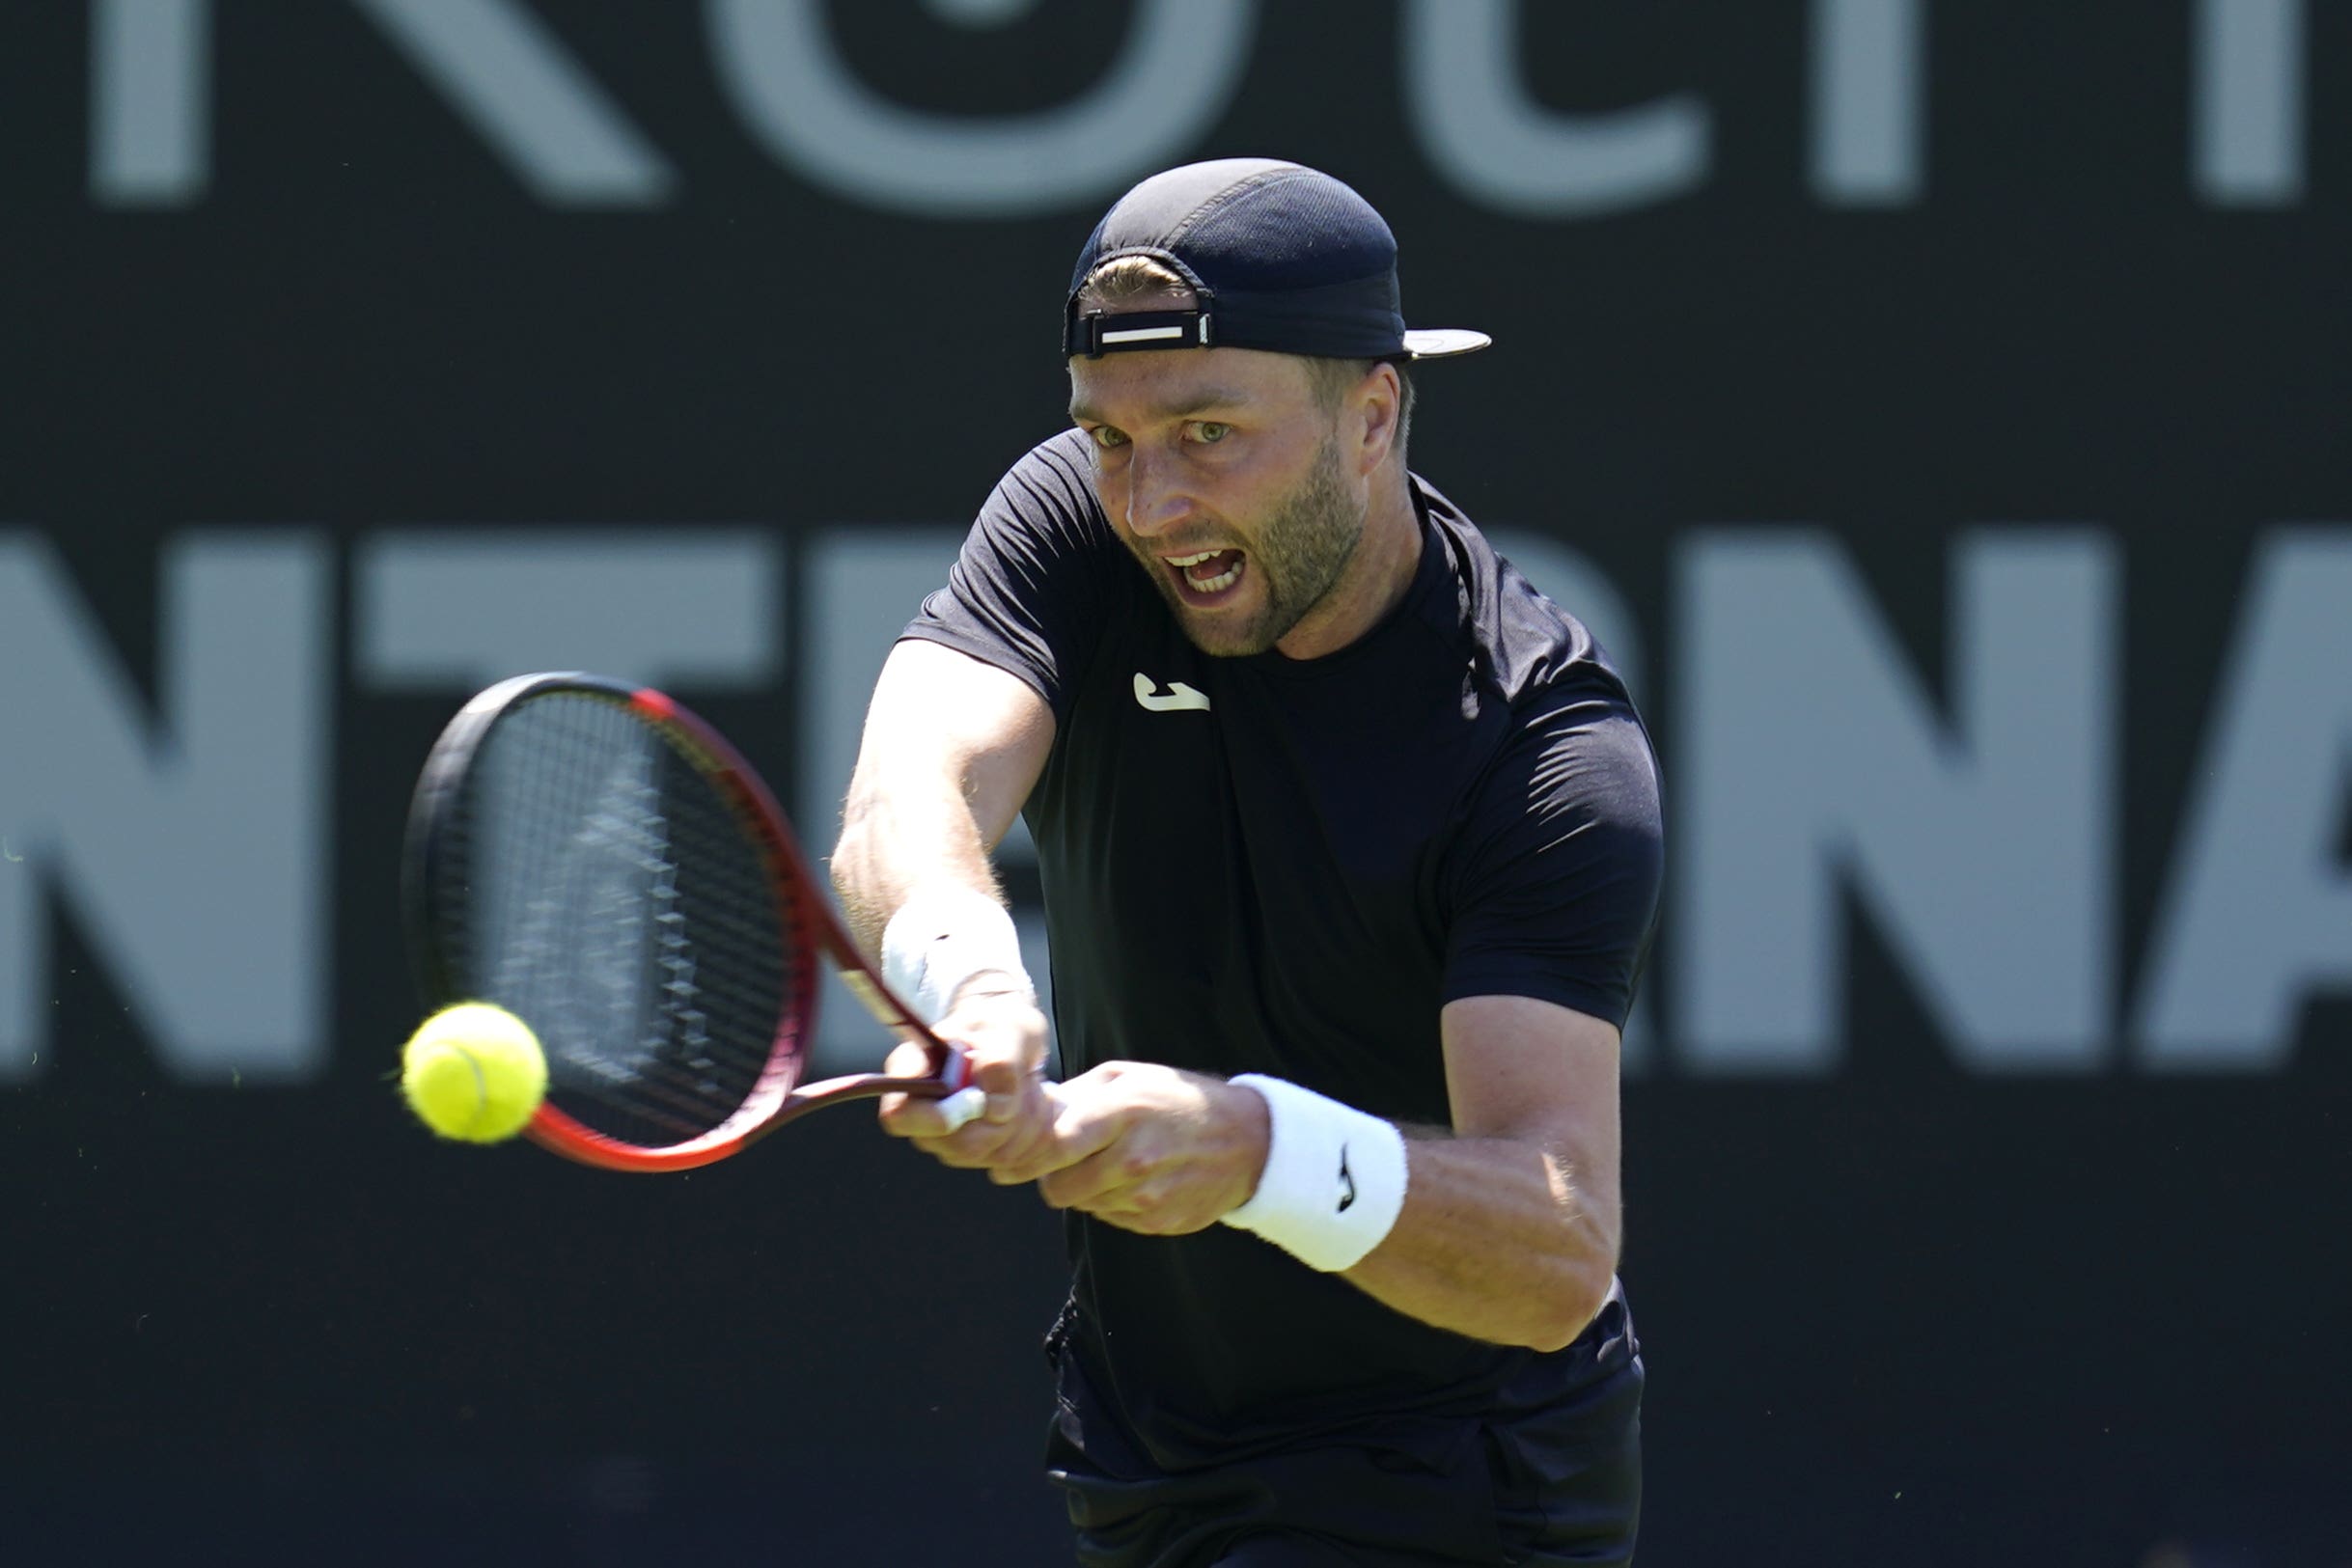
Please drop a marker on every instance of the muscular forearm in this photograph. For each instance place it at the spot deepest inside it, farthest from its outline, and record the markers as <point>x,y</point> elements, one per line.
<point>893,840</point>
<point>1496,1241</point>
<point>951,750</point>
<point>1496,1237</point>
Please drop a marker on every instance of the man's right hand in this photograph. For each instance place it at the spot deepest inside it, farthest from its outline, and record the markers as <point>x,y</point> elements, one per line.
<point>1003,1033</point>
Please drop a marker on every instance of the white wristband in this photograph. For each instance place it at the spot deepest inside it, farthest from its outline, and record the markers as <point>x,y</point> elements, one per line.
<point>1335,1177</point>
<point>941,937</point>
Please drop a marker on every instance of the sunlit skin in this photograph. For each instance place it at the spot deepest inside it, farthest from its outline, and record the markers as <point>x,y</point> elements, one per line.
<point>1231,450</point>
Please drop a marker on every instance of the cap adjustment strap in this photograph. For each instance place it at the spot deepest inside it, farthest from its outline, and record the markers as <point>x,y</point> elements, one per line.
<point>1096,333</point>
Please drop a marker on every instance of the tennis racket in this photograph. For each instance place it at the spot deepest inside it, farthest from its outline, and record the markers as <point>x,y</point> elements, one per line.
<point>600,862</point>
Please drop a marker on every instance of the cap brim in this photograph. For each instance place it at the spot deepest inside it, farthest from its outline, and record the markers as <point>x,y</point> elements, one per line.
<point>1444,343</point>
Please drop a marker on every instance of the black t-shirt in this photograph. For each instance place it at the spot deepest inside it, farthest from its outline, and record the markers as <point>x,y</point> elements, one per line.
<point>1287,866</point>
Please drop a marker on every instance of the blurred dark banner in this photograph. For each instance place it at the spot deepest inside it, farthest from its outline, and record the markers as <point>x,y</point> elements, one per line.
<point>1943,411</point>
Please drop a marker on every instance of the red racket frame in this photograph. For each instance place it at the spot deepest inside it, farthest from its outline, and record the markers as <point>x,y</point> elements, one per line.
<point>779,1097</point>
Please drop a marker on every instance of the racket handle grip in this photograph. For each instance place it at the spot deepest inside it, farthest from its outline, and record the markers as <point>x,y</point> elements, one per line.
<point>964,1100</point>
<point>963,1107</point>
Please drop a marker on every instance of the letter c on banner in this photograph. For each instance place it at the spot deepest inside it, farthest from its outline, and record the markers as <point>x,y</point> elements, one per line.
<point>1465,91</point>
<point>1179,67</point>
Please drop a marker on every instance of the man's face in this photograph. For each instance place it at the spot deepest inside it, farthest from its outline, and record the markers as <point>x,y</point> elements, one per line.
<point>1223,472</point>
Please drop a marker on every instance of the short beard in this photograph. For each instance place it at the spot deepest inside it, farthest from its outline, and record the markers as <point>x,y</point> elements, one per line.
<point>1299,556</point>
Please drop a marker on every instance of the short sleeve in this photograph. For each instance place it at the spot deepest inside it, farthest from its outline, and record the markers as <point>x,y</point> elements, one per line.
<point>1031,591</point>
<point>1554,880</point>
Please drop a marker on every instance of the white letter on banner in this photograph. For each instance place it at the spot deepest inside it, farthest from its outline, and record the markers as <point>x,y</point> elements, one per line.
<point>457,609</point>
<point>1810,755</point>
<point>2245,149</point>
<point>26,847</point>
<point>1463,88</point>
<point>531,101</point>
<point>1868,129</point>
<point>150,102</point>
<point>1174,76</point>
<point>194,850</point>
<point>2258,911</point>
<point>863,586</point>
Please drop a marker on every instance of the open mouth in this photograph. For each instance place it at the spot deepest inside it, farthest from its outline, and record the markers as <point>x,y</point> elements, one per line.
<point>1208,578</point>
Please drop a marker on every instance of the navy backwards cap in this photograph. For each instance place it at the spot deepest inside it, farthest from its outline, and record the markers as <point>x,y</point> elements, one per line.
<point>1279,257</point>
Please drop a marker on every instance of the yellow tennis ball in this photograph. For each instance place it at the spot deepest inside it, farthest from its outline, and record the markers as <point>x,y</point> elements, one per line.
<point>474,1072</point>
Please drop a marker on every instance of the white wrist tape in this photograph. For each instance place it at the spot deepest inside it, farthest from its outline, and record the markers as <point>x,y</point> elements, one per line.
<point>1334,1182</point>
<point>940,938</point>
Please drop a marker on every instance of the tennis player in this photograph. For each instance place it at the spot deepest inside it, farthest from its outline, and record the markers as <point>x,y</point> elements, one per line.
<point>1350,848</point>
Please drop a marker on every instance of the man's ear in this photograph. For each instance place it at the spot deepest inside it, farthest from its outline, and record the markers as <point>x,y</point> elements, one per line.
<point>1377,406</point>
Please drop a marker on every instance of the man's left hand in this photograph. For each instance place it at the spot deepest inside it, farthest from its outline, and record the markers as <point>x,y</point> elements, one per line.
<point>1148,1148</point>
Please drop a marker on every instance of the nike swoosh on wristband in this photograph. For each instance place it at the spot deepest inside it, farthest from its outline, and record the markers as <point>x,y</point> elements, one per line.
<point>1348,1183</point>
<point>1174,699</point>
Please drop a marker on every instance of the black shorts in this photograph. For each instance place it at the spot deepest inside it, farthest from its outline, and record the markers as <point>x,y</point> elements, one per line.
<point>1555,1486</point>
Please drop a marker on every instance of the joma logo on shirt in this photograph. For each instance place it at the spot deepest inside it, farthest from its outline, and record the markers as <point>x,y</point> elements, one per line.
<point>1176,698</point>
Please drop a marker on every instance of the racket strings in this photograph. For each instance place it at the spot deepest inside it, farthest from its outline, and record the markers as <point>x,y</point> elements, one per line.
<point>620,904</point>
